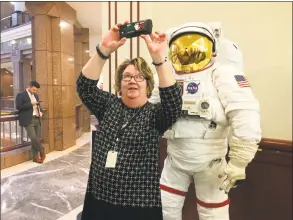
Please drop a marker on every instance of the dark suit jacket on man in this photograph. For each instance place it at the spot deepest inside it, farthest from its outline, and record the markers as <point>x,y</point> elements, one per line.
<point>25,108</point>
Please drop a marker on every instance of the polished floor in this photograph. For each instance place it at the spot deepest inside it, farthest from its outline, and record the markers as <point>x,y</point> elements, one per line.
<point>50,191</point>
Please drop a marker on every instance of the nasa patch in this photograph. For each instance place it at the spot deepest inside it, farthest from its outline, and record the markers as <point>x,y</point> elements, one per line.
<point>192,88</point>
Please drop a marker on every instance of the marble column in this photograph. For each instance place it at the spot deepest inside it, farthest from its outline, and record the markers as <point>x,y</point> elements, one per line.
<point>81,52</point>
<point>85,58</point>
<point>63,82</point>
<point>53,64</point>
<point>42,72</point>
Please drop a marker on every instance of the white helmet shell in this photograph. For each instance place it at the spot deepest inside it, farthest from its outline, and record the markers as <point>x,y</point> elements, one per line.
<point>217,29</point>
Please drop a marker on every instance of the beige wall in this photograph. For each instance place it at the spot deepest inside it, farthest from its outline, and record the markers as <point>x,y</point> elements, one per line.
<point>263,30</point>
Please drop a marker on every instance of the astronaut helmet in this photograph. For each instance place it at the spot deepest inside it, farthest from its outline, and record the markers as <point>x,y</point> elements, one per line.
<point>192,47</point>
<point>217,29</point>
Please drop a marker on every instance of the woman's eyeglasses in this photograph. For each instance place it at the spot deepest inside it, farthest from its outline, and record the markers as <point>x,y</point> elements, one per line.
<point>137,78</point>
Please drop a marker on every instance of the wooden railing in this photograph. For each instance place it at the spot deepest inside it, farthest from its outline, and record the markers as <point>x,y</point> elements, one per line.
<point>14,20</point>
<point>13,136</point>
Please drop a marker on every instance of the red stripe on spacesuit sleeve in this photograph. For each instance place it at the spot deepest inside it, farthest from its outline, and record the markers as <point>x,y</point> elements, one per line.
<point>213,205</point>
<point>172,190</point>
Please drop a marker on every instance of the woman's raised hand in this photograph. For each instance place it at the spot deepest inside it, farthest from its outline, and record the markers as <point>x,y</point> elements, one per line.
<point>111,41</point>
<point>157,45</point>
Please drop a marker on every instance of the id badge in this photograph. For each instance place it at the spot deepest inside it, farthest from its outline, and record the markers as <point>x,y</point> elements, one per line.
<point>111,159</point>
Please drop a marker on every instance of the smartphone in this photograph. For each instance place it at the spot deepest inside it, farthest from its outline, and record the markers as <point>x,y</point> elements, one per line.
<point>136,29</point>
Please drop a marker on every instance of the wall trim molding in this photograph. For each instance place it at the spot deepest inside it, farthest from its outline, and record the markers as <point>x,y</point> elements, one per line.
<point>276,144</point>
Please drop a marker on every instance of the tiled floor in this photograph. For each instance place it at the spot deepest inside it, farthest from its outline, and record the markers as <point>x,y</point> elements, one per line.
<point>50,191</point>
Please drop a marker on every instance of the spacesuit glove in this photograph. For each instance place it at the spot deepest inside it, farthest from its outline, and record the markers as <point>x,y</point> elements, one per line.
<point>232,176</point>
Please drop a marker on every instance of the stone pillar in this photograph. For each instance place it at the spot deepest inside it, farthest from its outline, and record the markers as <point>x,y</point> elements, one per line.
<point>42,73</point>
<point>64,82</point>
<point>18,81</point>
<point>81,52</point>
<point>78,41</point>
<point>53,64</point>
<point>85,58</point>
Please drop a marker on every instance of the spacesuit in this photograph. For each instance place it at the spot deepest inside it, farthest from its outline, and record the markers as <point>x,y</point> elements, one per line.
<point>217,101</point>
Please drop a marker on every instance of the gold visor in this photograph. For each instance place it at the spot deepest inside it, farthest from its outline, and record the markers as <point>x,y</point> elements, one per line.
<point>190,53</point>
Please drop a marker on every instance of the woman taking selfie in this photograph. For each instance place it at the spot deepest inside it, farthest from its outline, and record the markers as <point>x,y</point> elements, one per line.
<point>124,178</point>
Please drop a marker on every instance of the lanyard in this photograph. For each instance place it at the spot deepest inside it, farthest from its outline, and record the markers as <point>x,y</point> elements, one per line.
<point>123,126</point>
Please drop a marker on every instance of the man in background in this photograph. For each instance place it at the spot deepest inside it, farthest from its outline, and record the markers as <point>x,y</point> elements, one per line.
<point>29,114</point>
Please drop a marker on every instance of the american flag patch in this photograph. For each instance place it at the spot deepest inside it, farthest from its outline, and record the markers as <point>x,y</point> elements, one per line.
<point>241,81</point>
